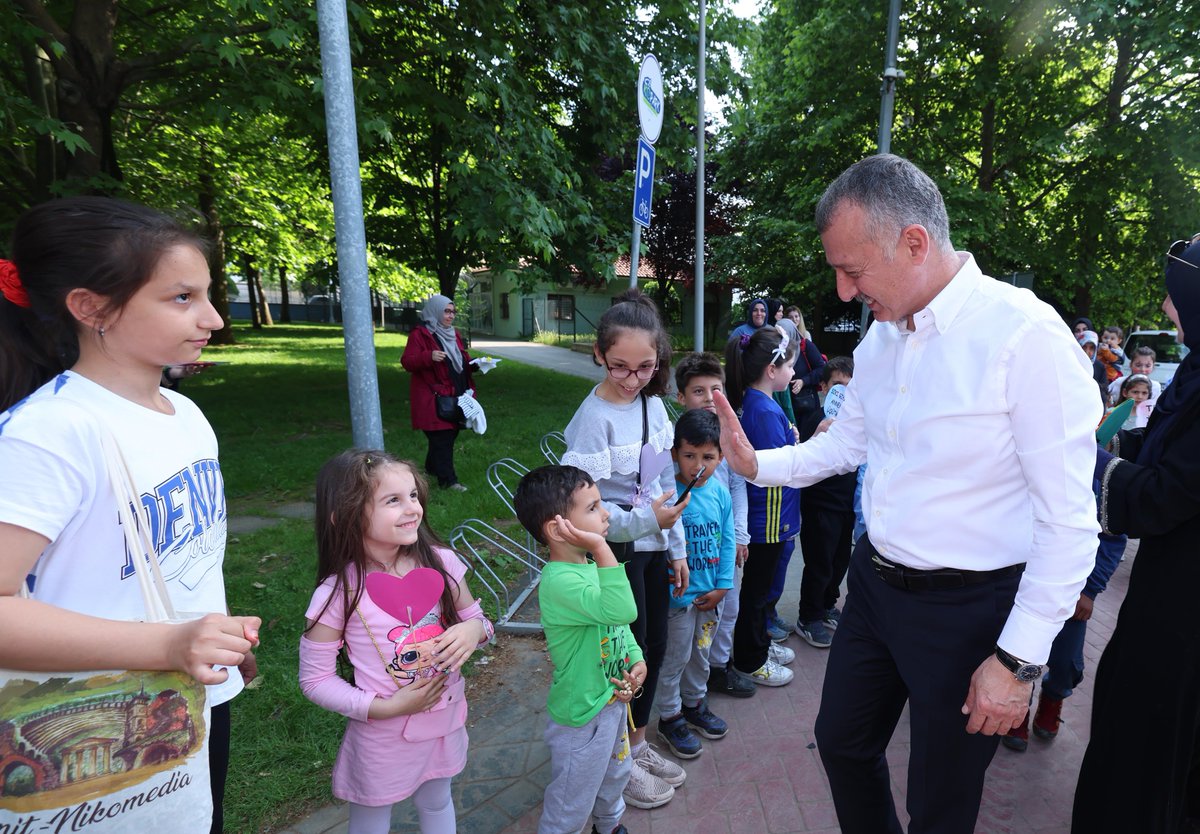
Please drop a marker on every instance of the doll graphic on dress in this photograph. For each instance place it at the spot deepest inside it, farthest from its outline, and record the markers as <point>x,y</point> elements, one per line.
<point>413,600</point>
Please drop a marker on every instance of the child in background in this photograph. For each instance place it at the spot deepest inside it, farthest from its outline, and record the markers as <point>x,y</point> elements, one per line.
<point>406,641</point>
<point>619,428</point>
<point>598,668</point>
<point>692,622</point>
<point>1136,387</point>
<point>1110,352</point>
<point>827,508</point>
<point>697,376</point>
<point>1090,343</point>
<point>99,297</point>
<point>1141,361</point>
<point>757,369</point>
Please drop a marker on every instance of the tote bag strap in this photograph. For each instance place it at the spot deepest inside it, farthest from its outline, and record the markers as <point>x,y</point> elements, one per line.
<point>137,537</point>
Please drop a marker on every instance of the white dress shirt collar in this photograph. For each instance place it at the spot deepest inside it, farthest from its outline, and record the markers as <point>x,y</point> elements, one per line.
<point>949,302</point>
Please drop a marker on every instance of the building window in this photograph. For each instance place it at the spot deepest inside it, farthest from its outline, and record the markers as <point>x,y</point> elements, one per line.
<point>504,305</point>
<point>560,307</point>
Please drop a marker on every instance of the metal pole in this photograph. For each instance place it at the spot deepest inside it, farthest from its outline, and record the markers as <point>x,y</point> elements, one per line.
<point>890,74</point>
<point>357,314</point>
<point>634,254</point>
<point>699,283</point>
<point>887,104</point>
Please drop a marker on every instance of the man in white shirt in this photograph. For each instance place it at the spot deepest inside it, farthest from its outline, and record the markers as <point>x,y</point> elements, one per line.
<point>975,411</point>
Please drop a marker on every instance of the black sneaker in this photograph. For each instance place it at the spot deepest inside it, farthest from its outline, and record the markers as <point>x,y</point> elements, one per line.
<point>701,719</point>
<point>728,681</point>
<point>620,829</point>
<point>677,735</point>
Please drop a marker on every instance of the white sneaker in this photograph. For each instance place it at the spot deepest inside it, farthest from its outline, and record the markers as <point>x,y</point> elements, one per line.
<point>653,762</point>
<point>772,674</point>
<point>645,790</point>
<point>781,654</point>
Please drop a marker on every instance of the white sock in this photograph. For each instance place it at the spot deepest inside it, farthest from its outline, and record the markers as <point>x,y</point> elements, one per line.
<point>639,749</point>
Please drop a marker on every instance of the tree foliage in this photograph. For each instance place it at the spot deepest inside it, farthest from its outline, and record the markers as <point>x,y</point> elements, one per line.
<point>1057,132</point>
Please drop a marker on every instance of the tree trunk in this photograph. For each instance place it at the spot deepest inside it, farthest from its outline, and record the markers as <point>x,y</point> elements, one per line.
<point>218,291</point>
<point>87,87</point>
<point>285,308</point>
<point>264,307</point>
<point>249,270</point>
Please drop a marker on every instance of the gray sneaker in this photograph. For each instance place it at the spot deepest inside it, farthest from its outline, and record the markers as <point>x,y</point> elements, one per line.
<point>652,761</point>
<point>645,790</point>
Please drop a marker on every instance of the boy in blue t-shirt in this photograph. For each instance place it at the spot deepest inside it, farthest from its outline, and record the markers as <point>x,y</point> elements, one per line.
<point>693,617</point>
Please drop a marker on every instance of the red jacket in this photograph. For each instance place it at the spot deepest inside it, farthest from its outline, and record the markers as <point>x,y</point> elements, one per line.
<point>430,378</point>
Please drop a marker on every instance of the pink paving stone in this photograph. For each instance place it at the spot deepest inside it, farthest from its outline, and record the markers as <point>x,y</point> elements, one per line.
<point>747,821</point>
<point>716,823</point>
<point>779,806</point>
<point>768,746</point>
<point>752,770</point>
<point>818,814</point>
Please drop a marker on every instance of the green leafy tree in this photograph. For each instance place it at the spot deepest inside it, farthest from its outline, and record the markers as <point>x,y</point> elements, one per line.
<point>1056,132</point>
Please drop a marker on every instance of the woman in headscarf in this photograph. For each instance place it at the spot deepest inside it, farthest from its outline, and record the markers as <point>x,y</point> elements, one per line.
<point>756,317</point>
<point>440,366</point>
<point>1146,710</point>
<point>807,377</point>
<point>1080,326</point>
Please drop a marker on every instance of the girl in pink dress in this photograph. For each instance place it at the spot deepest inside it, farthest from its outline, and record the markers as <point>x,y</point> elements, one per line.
<point>394,596</point>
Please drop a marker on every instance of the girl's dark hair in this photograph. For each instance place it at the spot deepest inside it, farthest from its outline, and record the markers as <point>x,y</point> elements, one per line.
<point>1144,350</point>
<point>633,310</point>
<point>1132,380</point>
<point>345,490</point>
<point>746,364</point>
<point>108,246</point>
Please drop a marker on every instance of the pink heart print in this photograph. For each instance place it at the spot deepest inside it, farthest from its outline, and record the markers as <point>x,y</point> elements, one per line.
<point>408,598</point>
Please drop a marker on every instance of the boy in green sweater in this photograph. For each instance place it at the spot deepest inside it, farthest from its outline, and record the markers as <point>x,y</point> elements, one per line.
<point>587,606</point>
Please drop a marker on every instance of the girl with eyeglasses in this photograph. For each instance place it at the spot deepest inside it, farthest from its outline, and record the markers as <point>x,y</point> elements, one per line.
<point>395,596</point>
<point>622,438</point>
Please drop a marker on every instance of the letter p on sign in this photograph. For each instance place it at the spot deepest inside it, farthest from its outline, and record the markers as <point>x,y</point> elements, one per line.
<point>644,183</point>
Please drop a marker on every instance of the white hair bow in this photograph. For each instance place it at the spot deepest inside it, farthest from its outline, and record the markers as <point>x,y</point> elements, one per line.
<point>781,351</point>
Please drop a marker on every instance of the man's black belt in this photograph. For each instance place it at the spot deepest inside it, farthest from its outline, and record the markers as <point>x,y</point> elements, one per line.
<point>942,579</point>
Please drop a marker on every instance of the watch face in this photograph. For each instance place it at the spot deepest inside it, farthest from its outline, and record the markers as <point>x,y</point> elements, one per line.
<point>1028,673</point>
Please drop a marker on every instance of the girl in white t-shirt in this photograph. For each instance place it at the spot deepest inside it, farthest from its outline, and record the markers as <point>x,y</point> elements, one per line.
<point>98,297</point>
<point>392,593</point>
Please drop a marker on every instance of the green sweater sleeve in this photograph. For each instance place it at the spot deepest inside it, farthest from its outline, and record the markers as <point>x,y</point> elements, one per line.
<point>578,601</point>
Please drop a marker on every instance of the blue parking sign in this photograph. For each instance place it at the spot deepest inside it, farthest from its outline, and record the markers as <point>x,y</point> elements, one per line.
<point>643,182</point>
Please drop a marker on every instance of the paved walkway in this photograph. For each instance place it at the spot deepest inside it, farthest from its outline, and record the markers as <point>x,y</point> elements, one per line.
<point>765,776</point>
<point>559,359</point>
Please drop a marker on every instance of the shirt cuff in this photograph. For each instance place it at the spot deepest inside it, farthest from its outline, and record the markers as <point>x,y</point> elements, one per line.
<point>774,467</point>
<point>1028,638</point>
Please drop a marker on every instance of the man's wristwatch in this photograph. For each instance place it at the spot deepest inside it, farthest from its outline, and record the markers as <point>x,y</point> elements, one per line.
<point>1022,671</point>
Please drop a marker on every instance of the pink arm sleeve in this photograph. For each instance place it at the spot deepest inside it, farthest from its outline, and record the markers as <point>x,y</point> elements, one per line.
<point>320,683</point>
<point>475,612</point>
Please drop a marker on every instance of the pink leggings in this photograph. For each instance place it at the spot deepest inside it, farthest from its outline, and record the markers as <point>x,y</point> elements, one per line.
<point>434,807</point>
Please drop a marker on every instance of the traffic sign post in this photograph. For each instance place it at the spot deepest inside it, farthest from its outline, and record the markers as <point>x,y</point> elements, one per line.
<point>650,116</point>
<point>643,182</point>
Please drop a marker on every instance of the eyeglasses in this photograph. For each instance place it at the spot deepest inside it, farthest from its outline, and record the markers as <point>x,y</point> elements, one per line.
<point>623,373</point>
<point>1176,249</point>
<point>451,311</point>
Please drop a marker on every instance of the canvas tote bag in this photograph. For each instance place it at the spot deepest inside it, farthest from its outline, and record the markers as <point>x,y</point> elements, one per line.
<point>113,751</point>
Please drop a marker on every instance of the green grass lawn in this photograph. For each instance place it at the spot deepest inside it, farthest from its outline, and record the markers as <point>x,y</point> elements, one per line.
<point>280,409</point>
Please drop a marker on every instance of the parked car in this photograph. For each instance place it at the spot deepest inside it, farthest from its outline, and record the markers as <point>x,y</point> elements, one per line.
<point>1169,352</point>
